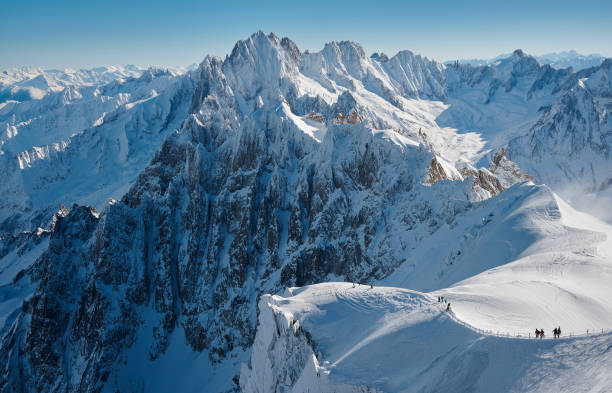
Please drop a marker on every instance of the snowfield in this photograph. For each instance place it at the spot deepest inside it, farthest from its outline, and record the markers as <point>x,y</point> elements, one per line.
<point>336,337</point>
<point>540,265</point>
<point>563,279</point>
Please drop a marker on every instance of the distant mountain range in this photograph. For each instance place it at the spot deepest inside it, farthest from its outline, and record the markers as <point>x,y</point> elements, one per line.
<point>563,59</point>
<point>26,83</point>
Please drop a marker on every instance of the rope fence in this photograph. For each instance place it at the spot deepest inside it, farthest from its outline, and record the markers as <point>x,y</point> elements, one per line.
<point>531,335</point>
<point>547,336</point>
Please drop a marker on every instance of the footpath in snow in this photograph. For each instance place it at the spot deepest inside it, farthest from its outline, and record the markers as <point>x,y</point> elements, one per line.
<point>563,279</point>
<point>391,339</point>
<point>540,266</point>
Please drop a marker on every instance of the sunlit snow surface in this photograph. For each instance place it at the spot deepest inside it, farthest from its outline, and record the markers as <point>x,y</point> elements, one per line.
<point>396,340</point>
<point>559,272</point>
<point>402,340</point>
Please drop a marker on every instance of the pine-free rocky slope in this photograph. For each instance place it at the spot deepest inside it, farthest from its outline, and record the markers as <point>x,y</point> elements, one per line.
<point>269,169</point>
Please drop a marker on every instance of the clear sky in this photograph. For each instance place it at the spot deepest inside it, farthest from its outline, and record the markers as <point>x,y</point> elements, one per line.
<point>86,33</point>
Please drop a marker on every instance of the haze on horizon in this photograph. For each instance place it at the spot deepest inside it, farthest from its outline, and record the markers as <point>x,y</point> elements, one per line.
<point>72,34</point>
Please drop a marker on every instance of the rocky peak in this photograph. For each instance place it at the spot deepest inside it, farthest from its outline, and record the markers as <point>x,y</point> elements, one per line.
<point>262,48</point>
<point>379,56</point>
<point>436,172</point>
<point>261,63</point>
<point>521,63</point>
<point>291,48</point>
<point>344,50</point>
<point>345,57</point>
<point>506,171</point>
<point>212,93</point>
<point>439,169</point>
<point>417,75</point>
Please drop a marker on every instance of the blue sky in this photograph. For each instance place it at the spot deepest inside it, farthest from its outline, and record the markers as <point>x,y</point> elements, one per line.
<point>86,33</point>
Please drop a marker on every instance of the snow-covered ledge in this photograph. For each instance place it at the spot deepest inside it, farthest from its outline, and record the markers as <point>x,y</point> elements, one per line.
<point>283,358</point>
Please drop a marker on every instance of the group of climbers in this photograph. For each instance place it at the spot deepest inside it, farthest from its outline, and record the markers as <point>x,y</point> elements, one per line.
<point>442,300</point>
<point>556,332</point>
<point>539,332</point>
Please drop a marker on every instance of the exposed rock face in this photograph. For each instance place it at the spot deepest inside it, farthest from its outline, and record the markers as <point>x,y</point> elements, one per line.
<point>235,204</point>
<point>437,171</point>
<point>487,183</point>
<point>316,117</point>
<point>485,180</point>
<point>50,322</point>
<point>507,171</point>
<point>502,174</point>
<point>289,350</point>
<point>352,118</point>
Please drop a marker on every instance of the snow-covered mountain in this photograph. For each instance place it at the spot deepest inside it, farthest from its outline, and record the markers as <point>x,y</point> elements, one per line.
<point>572,59</point>
<point>276,168</point>
<point>30,83</point>
<point>570,145</point>
<point>84,144</point>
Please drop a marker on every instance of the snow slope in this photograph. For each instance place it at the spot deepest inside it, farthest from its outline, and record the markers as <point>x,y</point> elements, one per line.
<point>561,279</point>
<point>531,261</point>
<point>384,339</point>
